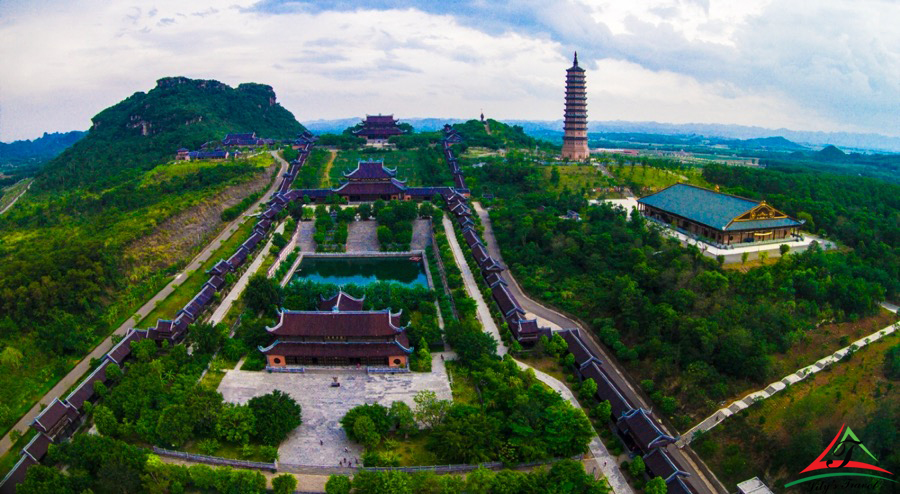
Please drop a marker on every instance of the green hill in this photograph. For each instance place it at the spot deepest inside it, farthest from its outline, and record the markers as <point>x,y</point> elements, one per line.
<point>145,129</point>
<point>501,136</point>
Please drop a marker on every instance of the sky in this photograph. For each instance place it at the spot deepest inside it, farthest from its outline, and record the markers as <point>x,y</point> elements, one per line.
<point>823,65</point>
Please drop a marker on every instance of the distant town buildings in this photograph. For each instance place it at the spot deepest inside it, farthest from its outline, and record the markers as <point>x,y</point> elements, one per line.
<point>575,146</point>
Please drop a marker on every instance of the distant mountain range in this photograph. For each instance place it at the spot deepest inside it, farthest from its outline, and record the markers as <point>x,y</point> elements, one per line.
<point>36,151</point>
<point>552,130</point>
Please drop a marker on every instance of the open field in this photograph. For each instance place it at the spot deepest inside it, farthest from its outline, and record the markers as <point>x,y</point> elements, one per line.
<point>577,178</point>
<point>649,179</point>
<point>180,168</point>
<point>403,161</point>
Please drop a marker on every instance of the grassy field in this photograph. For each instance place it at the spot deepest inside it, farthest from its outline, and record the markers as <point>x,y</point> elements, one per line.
<point>404,161</point>
<point>767,439</point>
<point>651,179</point>
<point>584,178</point>
<point>547,365</point>
<point>461,385</point>
<point>180,168</point>
<point>184,292</point>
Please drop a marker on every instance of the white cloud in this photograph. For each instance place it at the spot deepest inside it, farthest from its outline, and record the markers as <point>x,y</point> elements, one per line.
<point>818,66</point>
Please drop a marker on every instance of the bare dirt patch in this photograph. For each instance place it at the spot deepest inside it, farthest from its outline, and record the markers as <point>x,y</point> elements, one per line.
<point>179,237</point>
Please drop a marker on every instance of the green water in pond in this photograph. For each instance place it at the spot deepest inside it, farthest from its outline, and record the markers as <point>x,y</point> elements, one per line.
<point>362,270</point>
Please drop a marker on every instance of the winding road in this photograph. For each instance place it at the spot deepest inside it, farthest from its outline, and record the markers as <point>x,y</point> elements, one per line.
<point>708,483</point>
<point>100,350</point>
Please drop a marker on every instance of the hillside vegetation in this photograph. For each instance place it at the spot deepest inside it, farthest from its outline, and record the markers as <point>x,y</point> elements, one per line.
<point>69,246</point>
<point>146,129</point>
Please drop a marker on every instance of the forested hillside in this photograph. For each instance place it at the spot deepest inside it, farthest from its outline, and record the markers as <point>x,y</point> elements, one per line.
<point>37,150</point>
<point>147,128</point>
<point>863,213</point>
<point>65,282</point>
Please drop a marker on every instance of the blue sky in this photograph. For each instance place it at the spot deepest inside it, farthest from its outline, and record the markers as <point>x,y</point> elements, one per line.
<point>805,65</point>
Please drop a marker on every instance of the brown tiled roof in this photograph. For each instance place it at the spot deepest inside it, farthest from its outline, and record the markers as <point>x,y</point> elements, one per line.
<point>639,423</point>
<point>661,464</point>
<point>471,237</point>
<point>606,388</point>
<point>348,324</point>
<point>17,474</point>
<point>507,303</point>
<point>576,346</point>
<point>371,188</point>
<point>680,485</point>
<point>50,416</point>
<point>491,265</point>
<point>493,278</point>
<point>342,302</point>
<point>38,446</point>
<point>122,349</point>
<point>335,349</point>
<point>216,282</point>
<point>480,253</point>
<point>85,390</point>
<point>524,328</point>
<point>368,170</point>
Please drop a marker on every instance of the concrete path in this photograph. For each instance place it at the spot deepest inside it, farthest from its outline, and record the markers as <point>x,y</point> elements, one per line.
<point>605,462</point>
<point>84,365</point>
<point>241,284</point>
<point>483,312</point>
<point>738,405</point>
<point>17,197</point>
<point>320,440</point>
<point>708,483</point>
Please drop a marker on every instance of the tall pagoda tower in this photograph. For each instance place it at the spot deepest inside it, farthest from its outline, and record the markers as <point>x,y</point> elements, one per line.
<point>575,146</point>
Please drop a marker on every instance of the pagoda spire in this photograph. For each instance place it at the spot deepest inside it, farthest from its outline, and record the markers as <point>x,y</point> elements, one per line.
<point>576,59</point>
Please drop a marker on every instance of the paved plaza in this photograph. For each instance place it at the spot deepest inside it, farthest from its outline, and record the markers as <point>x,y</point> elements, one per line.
<point>361,236</point>
<point>324,406</point>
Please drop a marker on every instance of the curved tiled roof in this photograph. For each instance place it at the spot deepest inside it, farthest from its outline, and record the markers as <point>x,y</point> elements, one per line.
<point>710,208</point>
<point>346,324</point>
<point>341,302</point>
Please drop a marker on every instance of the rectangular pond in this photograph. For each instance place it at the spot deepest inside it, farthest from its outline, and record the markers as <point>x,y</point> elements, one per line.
<point>408,271</point>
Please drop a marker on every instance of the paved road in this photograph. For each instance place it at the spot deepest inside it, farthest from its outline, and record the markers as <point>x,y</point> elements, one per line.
<point>17,197</point>
<point>82,367</point>
<point>604,461</point>
<point>708,484</point>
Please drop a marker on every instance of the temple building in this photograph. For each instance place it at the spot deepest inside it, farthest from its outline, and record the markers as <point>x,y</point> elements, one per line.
<point>377,129</point>
<point>339,333</point>
<point>719,218</point>
<point>575,145</point>
<point>371,181</point>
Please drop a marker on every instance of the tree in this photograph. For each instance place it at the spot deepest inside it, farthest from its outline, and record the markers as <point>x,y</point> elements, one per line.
<point>44,480</point>
<point>479,481</point>
<point>588,388</point>
<point>637,467</point>
<point>205,336</point>
<point>744,257</point>
<point>763,256</point>
<point>11,358</point>
<point>554,176</point>
<point>656,485</point>
<point>262,294</point>
<point>337,484</point>
<point>403,418</point>
<point>236,423</point>
<point>784,249</point>
<point>377,413</point>
<point>105,421</point>
<point>277,414</point>
<point>287,484</point>
<point>430,410</point>
<point>174,427</point>
<point>384,235</point>
<point>602,412</point>
<point>364,431</point>
<point>393,482</point>
<point>423,357</point>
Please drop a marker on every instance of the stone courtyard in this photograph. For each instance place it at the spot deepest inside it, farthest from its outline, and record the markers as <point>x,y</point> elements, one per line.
<point>324,406</point>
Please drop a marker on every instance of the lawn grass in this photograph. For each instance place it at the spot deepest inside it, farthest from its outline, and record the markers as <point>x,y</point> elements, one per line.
<point>584,178</point>
<point>173,169</point>
<point>403,161</point>
<point>545,364</point>
<point>414,451</point>
<point>652,179</point>
<point>184,292</point>
<point>849,392</point>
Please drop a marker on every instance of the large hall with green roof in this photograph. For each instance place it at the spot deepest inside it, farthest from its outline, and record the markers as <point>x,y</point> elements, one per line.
<point>719,218</point>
